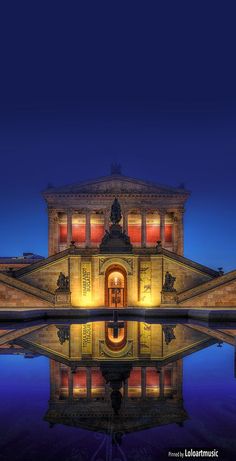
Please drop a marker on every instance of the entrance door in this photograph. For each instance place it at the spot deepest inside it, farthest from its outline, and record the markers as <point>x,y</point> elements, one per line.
<point>116,289</point>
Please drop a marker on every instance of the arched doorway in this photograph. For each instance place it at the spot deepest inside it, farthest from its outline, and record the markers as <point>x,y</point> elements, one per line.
<point>116,287</point>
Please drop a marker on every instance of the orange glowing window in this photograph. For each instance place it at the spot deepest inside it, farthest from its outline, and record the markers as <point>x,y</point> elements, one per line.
<point>80,379</point>
<point>97,228</point>
<point>134,228</point>
<point>168,229</point>
<point>63,228</point>
<point>78,228</point>
<point>153,232</point>
<point>152,377</point>
<point>64,378</point>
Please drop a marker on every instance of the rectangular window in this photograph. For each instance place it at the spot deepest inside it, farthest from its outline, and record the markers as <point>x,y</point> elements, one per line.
<point>63,228</point>
<point>78,228</point>
<point>168,229</point>
<point>97,228</point>
<point>134,228</point>
<point>153,233</point>
<point>134,383</point>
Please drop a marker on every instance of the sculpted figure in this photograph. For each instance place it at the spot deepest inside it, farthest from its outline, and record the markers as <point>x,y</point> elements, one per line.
<point>115,216</point>
<point>63,282</point>
<point>169,282</point>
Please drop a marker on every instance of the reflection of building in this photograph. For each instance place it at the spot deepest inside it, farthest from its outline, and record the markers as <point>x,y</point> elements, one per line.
<point>115,376</point>
<point>93,252</point>
<point>96,372</point>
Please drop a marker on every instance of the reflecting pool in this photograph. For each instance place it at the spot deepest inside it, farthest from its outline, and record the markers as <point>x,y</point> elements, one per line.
<point>116,390</point>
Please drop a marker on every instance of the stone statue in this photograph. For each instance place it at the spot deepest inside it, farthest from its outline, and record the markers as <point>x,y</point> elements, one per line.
<point>115,212</point>
<point>63,282</point>
<point>169,282</point>
<point>169,333</point>
<point>63,334</point>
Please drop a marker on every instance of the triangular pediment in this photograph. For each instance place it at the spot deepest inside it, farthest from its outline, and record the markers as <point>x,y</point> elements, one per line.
<point>116,184</point>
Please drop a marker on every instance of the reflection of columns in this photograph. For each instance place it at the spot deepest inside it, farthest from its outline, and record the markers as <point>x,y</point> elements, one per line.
<point>88,228</point>
<point>143,382</point>
<point>162,226</point>
<point>143,232</point>
<point>53,231</point>
<point>69,227</point>
<point>70,384</point>
<point>125,387</point>
<point>89,382</point>
<point>161,383</point>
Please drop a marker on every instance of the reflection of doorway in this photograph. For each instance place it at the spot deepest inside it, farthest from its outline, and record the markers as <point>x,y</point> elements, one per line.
<point>115,287</point>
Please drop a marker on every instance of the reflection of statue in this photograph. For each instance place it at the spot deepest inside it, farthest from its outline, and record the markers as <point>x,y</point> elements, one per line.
<point>116,399</point>
<point>63,334</point>
<point>169,282</point>
<point>115,212</point>
<point>63,282</point>
<point>169,333</point>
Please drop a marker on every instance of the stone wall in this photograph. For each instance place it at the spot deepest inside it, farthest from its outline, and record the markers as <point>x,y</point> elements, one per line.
<point>222,296</point>
<point>13,297</point>
<point>46,276</point>
<point>186,277</point>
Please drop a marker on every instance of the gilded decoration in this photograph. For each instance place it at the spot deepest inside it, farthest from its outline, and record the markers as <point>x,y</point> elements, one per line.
<point>145,281</point>
<point>105,262</point>
<point>87,339</point>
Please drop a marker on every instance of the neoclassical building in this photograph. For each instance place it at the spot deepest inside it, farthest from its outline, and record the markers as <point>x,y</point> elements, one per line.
<point>116,242</point>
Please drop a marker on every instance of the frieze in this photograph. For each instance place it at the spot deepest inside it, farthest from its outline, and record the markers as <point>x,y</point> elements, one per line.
<point>103,261</point>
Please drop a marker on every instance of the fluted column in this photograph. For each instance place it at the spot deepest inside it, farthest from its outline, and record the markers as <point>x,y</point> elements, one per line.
<point>53,231</point>
<point>88,229</point>
<point>106,219</point>
<point>143,382</point>
<point>71,384</point>
<point>69,227</point>
<point>143,229</point>
<point>89,382</point>
<point>161,383</point>
<point>180,240</point>
<point>162,226</point>
<point>125,221</point>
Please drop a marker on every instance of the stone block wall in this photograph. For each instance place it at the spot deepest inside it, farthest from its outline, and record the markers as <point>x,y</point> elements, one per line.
<point>12,297</point>
<point>46,276</point>
<point>222,296</point>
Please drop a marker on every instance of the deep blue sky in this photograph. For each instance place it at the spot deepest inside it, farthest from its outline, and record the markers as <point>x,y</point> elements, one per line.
<point>150,85</point>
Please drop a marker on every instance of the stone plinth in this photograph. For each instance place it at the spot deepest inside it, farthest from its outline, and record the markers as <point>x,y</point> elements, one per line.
<point>168,297</point>
<point>62,298</point>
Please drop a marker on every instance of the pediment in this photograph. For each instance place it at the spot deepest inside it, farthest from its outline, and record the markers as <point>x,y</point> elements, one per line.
<point>116,184</point>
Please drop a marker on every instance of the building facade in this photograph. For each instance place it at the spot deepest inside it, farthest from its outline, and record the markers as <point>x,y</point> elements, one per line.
<point>116,242</point>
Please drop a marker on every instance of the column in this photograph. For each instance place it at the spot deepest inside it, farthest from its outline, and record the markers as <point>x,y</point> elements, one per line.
<point>162,226</point>
<point>125,395</point>
<point>175,233</point>
<point>125,222</point>
<point>69,227</point>
<point>161,383</point>
<point>71,383</point>
<point>88,229</point>
<point>143,229</point>
<point>89,382</point>
<point>106,219</point>
<point>53,234</point>
<point>180,242</point>
<point>143,382</point>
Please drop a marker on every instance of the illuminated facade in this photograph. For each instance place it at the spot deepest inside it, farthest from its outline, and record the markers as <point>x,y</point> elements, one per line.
<point>97,374</point>
<point>137,261</point>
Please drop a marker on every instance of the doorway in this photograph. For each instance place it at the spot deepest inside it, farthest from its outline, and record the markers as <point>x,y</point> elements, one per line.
<point>116,287</point>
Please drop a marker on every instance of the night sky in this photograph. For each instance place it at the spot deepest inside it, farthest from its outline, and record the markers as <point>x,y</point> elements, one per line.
<point>150,85</point>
